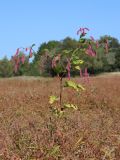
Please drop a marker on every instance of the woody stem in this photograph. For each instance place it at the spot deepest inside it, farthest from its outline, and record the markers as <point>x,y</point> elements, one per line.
<point>61,89</point>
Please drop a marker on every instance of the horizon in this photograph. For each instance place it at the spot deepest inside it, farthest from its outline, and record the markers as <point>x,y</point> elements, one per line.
<point>24,23</point>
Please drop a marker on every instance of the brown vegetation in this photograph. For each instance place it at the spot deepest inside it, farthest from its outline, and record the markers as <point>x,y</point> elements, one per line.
<point>28,131</point>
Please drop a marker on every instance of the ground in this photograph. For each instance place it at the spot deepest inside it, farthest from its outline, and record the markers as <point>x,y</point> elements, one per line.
<point>29,131</point>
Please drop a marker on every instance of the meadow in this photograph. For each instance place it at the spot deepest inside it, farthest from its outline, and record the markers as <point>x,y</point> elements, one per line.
<point>29,131</point>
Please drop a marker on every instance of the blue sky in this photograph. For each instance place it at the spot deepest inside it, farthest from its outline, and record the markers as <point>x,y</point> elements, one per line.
<point>24,22</point>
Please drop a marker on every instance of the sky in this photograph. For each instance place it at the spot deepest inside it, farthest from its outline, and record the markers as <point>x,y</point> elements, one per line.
<point>24,22</point>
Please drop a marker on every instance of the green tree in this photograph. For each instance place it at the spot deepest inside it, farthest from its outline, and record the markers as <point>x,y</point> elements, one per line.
<point>51,45</point>
<point>113,42</point>
<point>117,60</point>
<point>6,68</point>
<point>69,43</point>
<point>109,62</point>
<point>34,69</point>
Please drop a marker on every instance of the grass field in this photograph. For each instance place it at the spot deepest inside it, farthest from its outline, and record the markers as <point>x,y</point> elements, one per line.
<point>28,131</point>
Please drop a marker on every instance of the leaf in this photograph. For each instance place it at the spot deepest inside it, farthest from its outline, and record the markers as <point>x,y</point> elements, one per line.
<point>54,151</point>
<point>71,106</point>
<point>57,112</point>
<point>75,51</point>
<point>77,62</point>
<point>60,113</point>
<point>75,57</point>
<point>81,87</point>
<point>33,45</point>
<point>77,67</point>
<point>71,84</point>
<point>52,99</point>
<point>66,51</point>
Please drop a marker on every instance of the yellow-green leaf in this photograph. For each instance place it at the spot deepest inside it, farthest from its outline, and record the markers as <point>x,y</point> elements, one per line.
<point>71,106</point>
<point>54,151</point>
<point>72,85</point>
<point>81,87</point>
<point>77,67</point>
<point>77,62</point>
<point>52,99</point>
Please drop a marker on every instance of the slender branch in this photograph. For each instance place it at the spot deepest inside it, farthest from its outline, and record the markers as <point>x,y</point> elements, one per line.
<point>61,89</point>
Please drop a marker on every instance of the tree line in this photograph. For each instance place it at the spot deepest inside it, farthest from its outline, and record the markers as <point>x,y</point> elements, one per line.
<point>41,65</point>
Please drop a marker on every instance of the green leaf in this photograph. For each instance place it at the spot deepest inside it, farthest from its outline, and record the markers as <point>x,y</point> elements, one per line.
<point>77,67</point>
<point>74,58</point>
<point>71,84</point>
<point>33,45</point>
<point>82,40</point>
<point>54,151</point>
<point>60,113</point>
<point>75,51</point>
<point>71,106</point>
<point>77,62</point>
<point>66,51</point>
<point>57,112</point>
<point>81,87</point>
<point>52,99</point>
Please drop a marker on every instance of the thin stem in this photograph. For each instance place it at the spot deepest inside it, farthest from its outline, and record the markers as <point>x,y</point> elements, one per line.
<point>61,89</point>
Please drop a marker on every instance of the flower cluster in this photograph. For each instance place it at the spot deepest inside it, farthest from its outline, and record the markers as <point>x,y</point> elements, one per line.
<point>72,59</point>
<point>55,60</point>
<point>82,31</point>
<point>19,57</point>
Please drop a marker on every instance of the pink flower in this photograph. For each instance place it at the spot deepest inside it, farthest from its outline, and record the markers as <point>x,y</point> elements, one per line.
<point>30,54</point>
<point>53,63</point>
<point>68,68</point>
<point>17,52</point>
<point>55,59</point>
<point>90,51</point>
<point>86,75</point>
<point>23,59</point>
<point>83,31</point>
<point>17,60</point>
<point>16,67</point>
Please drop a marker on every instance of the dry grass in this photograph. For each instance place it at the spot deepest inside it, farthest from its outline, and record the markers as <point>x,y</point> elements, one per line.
<point>28,131</point>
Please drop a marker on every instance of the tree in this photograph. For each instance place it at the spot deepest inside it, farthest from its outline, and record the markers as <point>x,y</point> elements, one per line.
<point>117,60</point>
<point>6,68</point>
<point>113,42</point>
<point>69,43</point>
<point>109,62</point>
<point>51,45</point>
